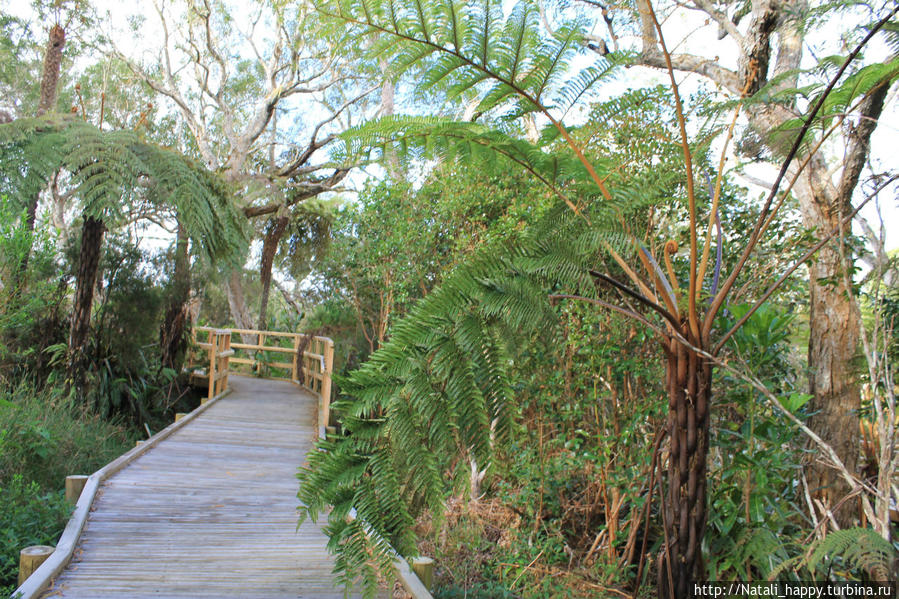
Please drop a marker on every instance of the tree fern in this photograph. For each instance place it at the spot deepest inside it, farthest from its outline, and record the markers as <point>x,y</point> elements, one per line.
<point>108,170</point>
<point>439,390</point>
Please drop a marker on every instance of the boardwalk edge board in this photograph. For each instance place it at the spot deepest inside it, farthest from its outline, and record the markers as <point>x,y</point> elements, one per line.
<point>38,582</point>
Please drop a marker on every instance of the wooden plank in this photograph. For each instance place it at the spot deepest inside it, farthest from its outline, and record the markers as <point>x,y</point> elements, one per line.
<point>65,548</point>
<point>274,348</point>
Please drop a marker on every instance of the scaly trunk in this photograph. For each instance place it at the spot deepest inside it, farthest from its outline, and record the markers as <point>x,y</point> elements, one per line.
<point>688,379</point>
<point>273,234</point>
<point>171,334</point>
<point>49,81</point>
<point>88,263</point>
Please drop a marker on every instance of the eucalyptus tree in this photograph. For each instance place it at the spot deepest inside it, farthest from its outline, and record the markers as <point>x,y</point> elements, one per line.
<point>440,381</point>
<point>260,99</point>
<point>293,240</point>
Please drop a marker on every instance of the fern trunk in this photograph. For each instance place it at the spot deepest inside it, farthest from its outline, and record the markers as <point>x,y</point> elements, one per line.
<point>688,380</point>
<point>273,234</point>
<point>88,264</point>
<point>171,335</point>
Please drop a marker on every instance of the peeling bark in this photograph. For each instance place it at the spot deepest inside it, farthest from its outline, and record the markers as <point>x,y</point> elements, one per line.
<point>238,306</point>
<point>46,103</point>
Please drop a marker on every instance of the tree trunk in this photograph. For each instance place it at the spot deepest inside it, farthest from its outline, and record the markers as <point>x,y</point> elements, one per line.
<point>238,306</point>
<point>688,379</point>
<point>833,344</point>
<point>46,103</point>
<point>273,234</point>
<point>171,335</point>
<point>88,264</point>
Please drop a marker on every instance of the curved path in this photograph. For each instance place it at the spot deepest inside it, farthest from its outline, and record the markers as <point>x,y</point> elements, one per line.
<point>211,511</point>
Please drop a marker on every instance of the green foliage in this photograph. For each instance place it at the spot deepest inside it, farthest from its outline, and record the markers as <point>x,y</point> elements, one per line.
<point>396,243</point>
<point>113,170</point>
<point>31,315</point>
<point>500,66</point>
<point>471,48</point>
<point>468,143</point>
<point>44,437</point>
<point>125,378</point>
<point>28,516</point>
<point>754,515</point>
<point>848,554</point>
<point>439,388</point>
<point>838,102</point>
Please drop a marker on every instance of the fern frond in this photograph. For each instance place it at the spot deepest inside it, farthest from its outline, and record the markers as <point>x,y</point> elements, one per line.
<point>110,169</point>
<point>477,44</point>
<point>860,549</point>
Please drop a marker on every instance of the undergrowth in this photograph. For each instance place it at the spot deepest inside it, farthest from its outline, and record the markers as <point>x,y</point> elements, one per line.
<point>44,437</point>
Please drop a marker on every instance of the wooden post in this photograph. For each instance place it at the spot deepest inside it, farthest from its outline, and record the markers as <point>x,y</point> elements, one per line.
<point>179,416</point>
<point>226,361</point>
<point>296,358</point>
<point>328,353</point>
<point>31,558</point>
<point>74,486</point>
<point>213,349</point>
<point>424,569</point>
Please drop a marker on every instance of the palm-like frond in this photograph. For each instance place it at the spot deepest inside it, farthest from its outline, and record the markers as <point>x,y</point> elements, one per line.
<point>468,48</point>
<point>109,169</point>
<point>439,389</point>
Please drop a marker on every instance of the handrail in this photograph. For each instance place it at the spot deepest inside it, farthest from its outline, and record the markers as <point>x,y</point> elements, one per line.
<point>311,368</point>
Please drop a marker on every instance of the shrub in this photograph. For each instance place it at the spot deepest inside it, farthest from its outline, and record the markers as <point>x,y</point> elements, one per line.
<point>44,437</point>
<point>28,516</point>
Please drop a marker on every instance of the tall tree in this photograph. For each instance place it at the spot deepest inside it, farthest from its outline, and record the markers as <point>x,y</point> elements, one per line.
<point>229,86</point>
<point>46,102</point>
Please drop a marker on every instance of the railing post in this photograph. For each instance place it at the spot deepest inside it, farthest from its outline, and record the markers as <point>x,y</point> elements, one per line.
<point>424,569</point>
<point>226,350</point>
<point>31,558</point>
<point>297,358</point>
<point>213,350</point>
<point>328,353</point>
<point>74,485</point>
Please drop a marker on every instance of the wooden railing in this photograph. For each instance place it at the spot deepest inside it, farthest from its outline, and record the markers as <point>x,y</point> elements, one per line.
<point>217,347</point>
<point>310,362</point>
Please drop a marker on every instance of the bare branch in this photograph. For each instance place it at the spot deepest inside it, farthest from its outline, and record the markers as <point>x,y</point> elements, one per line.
<point>314,143</point>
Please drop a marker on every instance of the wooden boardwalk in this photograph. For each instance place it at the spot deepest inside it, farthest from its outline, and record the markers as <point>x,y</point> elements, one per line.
<point>211,511</point>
